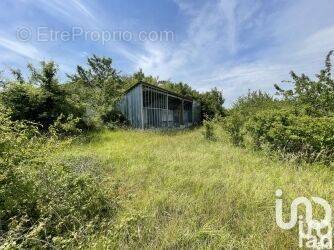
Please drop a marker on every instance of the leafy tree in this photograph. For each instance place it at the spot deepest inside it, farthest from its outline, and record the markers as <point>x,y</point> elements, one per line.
<point>300,123</point>
<point>97,89</point>
<point>23,99</point>
<point>53,102</point>
<point>315,96</point>
<point>212,103</point>
<point>139,76</point>
<point>98,73</point>
<point>256,101</point>
<point>17,74</point>
<point>180,88</point>
<point>243,109</point>
<point>1,78</point>
<point>40,99</point>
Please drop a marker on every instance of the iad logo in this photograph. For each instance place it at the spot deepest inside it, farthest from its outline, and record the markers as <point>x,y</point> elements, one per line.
<point>316,234</point>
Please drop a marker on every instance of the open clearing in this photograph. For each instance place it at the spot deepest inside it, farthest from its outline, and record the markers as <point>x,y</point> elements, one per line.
<point>179,190</point>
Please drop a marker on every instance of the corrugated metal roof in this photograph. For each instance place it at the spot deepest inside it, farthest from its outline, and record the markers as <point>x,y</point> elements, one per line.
<point>158,88</point>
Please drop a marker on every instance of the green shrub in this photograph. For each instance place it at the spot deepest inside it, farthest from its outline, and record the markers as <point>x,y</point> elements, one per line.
<point>209,130</point>
<point>260,121</point>
<point>41,99</point>
<point>98,88</point>
<point>18,144</point>
<point>314,95</point>
<point>23,99</point>
<point>311,138</point>
<point>47,203</point>
<point>234,126</point>
<point>255,101</point>
<point>65,126</point>
<point>243,109</point>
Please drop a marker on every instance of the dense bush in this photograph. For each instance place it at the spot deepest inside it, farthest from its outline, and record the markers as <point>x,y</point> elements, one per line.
<point>244,108</point>
<point>300,123</point>
<point>40,99</point>
<point>44,202</point>
<point>89,97</point>
<point>212,103</point>
<point>65,126</point>
<point>18,145</point>
<point>234,125</point>
<point>23,99</point>
<point>307,137</point>
<point>96,89</point>
<point>315,96</point>
<point>209,133</point>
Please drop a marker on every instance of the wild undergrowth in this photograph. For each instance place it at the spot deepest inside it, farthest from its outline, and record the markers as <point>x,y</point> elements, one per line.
<point>47,201</point>
<point>180,190</point>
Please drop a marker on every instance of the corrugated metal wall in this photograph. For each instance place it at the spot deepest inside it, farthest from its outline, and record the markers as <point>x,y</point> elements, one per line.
<point>196,112</point>
<point>148,107</point>
<point>187,113</point>
<point>131,106</point>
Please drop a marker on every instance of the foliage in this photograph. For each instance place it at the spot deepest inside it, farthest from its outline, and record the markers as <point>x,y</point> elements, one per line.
<point>65,126</point>
<point>234,125</point>
<point>244,108</point>
<point>24,100</point>
<point>255,101</point>
<point>315,96</point>
<point>307,137</point>
<point>211,101</point>
<point>18,144</point>
<point>97,89</point>
<point>46,203</point>
<point>299,124</point>
<point>180,88</point>
<point>41,99</point>
<point>209,130</point>
<point>139,76</point>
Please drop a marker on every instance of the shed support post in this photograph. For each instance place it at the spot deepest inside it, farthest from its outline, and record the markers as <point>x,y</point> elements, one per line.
<point>142,106</point>
<point>167,111</point>
<point>182,112</point>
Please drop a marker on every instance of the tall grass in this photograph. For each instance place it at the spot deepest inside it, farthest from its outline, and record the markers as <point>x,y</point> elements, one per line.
<point>179,190</point>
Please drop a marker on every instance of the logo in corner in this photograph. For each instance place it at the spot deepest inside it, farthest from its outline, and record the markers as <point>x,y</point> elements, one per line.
<point>322,229</point>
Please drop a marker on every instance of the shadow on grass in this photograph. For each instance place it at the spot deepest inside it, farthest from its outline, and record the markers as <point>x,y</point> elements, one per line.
<point>175,131</point>
<point>90,137</point>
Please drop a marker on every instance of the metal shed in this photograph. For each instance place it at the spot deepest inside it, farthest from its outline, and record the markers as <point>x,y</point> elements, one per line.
<point>148,106</point>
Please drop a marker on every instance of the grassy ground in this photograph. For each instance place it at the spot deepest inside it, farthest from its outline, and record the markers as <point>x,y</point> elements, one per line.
<point>179,190</point>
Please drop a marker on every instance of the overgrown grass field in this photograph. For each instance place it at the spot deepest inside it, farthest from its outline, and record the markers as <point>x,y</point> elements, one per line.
<point>178,190</point>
